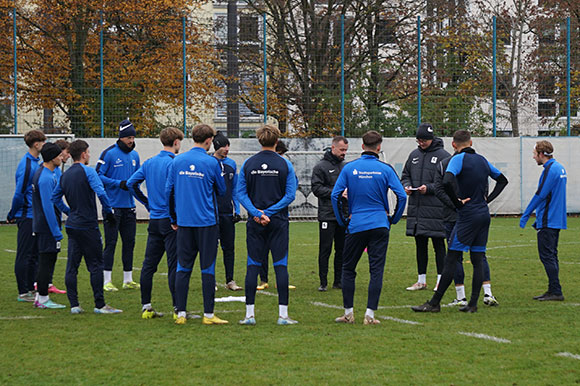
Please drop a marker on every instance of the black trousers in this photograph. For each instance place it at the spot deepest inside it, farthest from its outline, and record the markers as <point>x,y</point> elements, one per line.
<point>26,263</point>
<point>161,239</point>
<point>329,232</point>
<point>422,243</point>
<point>87,243</point>
<point>126,225</point>
<point>227,236</point>
<point>548,250</point>
<point>45,270</point>
<point>376,241</point>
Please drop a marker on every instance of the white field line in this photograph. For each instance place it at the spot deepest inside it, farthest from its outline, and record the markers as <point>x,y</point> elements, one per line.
<point>10,250</point>
<point>320,304</point>
<point>407,306</point>
<point>20,317</point>
<point>404,321</point>
<point>229,299</point>
<point>568,355</point>
<point>266,293</point>
<point>571,304</point>
<point>486,337</point>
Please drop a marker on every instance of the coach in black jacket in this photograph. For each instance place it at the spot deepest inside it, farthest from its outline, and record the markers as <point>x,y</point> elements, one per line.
<point>324,176</point>
<point>425,211</point>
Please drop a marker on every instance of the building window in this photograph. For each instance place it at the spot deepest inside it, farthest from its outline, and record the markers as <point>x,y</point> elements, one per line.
<point>546,109</point>
<point>386,31</point>
<point>249,28</point>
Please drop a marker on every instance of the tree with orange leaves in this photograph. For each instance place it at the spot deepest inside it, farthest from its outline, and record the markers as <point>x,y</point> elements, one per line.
<point>59,60</point>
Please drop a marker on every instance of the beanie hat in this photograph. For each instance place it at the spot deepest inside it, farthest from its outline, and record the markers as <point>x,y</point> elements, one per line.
<point>220,140</point>
<point>425,131</point>
<point>50,151</point>
<point>126,129</point>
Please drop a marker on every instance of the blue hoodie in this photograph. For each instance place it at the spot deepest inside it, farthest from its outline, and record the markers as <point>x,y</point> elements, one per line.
<point>118,163</point>
<point>368,180</point>
<point>22,200</point>
<point>193,179</point>
<point>549,201</point>
<point>154,172</point>
<point>46,215</point>
<point>228,203</point>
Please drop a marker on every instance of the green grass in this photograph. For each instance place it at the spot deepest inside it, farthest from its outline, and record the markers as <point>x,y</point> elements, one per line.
<point>124,349</point>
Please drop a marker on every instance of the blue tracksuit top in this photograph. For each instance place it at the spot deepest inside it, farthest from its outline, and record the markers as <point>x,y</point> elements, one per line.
<point>228,203</point>
<point>267,182</point>
<point>549,202</point>
<point>46,214</point>
<point>79,184</point>
<point>154,172</point>
<point>472,171</point>
<point>193,179</point>
<point>22,200</point>
<point>368,180</point>
<point>115,165</point>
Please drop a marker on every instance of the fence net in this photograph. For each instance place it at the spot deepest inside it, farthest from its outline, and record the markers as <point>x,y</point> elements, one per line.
<point>313,67</point>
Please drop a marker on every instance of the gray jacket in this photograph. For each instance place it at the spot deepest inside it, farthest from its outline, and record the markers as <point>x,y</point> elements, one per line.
<point>425,211</point>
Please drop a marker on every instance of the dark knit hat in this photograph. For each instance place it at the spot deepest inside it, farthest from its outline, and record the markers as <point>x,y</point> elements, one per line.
<point>220,140</point>
<point>425,131</point>
<point>50,151</point>
<point>126,129</point>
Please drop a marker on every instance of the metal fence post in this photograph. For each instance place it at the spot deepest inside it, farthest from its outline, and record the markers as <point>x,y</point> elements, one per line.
<point>15,72</point>
<point>342,75</point>
<point>102,78</point>
<point>568,75</point>
<point>494,73</point>
<point>418,71</point>
<point>184,79</point>
<point>265,68</point>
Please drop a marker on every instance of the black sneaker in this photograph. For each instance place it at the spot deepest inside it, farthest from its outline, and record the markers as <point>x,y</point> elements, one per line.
<point>468,309</point>
<point>322,288</point>
<point>549,296</point>
<point>336,286</point>
<point>426,307</point>
<point>541,296</point>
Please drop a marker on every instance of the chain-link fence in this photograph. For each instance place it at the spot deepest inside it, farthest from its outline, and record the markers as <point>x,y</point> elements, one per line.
<point>314,68</point>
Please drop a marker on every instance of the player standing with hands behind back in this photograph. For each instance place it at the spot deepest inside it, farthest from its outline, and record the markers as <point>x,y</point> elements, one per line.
<point>267,185</point>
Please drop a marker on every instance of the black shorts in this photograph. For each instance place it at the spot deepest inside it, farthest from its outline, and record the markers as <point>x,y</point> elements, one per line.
<point>47,243</point>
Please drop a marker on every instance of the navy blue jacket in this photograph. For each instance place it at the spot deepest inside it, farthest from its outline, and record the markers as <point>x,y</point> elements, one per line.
<point>118,163</point>
<point>154,172</point>
<point>46,215</point>
<point>267,182</point>
<point>549,202</point>
<point>368,180</point>
<point>79,185</point>
<point>471,172</point>
<point>228,203</point>
<point>22,200</point>
<point>193,179</point>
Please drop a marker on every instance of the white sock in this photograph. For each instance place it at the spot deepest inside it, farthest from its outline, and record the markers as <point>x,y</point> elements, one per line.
<point>460,290</point>
<point>438,279</point>
<point>370,313</point>
<point>487,289</point>
<point>283,311</point>
<point>249,311</point>
<point>422,279</point>
<point>348,311</point>
<point>181,314</point>
<point>209,316</point>
<point>107,276</point>
<point>127,276</point>
<point>146,307</point>
<point>42,299</point>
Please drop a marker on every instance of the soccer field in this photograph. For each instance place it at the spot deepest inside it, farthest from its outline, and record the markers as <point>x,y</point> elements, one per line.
<point>520,342</point>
